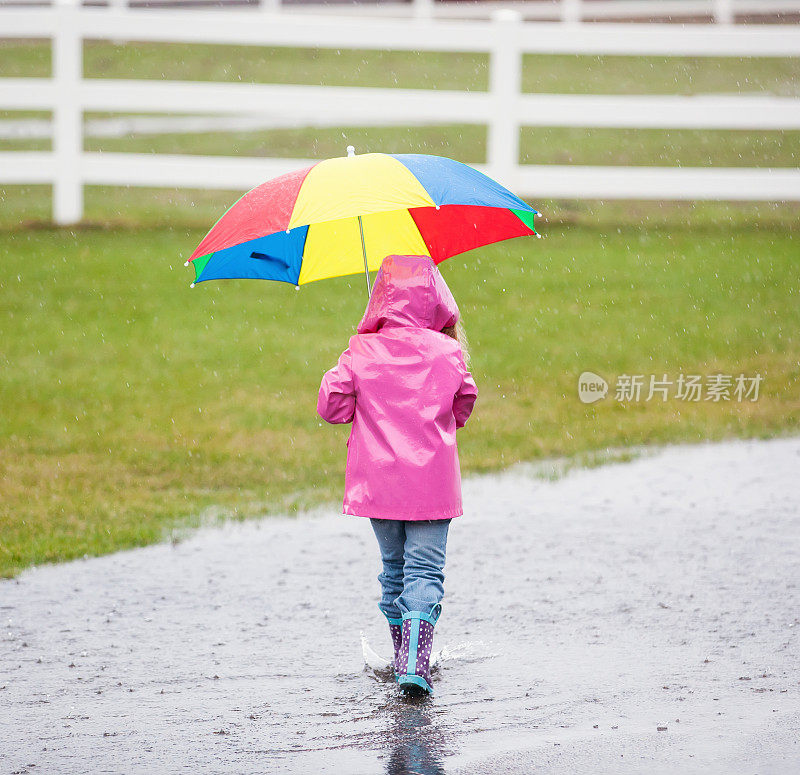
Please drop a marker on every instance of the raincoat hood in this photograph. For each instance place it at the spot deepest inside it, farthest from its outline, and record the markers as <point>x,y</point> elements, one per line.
<point>409,291</point>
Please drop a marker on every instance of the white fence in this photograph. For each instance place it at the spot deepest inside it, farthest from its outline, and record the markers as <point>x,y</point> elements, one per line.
<point>504,108</point>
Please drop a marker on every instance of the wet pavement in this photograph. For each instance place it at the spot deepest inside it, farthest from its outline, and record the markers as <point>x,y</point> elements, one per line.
<point>638,617</point>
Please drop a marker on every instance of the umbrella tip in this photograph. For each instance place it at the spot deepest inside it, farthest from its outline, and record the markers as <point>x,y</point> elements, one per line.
<point>186,263</point>
<point>351,151</point>
<point>192,285</point>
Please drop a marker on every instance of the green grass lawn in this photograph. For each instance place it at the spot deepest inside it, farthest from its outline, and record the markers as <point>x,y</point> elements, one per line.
<point>467,143</point>
<point>133,405</point>
<point>558,74</point>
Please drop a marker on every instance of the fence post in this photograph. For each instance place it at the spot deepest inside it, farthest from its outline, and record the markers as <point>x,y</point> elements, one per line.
<point>571,11</point>
<point>117,5</point>
<point>422,9</point>
<point>723,11</point>
<point>67,116</point>
<point>505,85</point>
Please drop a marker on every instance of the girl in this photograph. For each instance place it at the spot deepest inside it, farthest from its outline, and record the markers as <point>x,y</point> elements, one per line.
<point>403,383</point>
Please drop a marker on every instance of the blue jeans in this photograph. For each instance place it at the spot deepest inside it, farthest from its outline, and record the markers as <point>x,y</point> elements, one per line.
<point>412,553</point>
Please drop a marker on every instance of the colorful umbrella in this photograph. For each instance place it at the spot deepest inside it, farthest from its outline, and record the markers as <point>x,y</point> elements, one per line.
<point>345,215</point>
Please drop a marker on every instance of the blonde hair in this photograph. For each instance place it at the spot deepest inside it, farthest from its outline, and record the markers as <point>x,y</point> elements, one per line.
<point>458,333</point>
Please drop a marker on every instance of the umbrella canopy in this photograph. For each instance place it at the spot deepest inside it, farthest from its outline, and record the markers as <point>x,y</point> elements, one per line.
<point>346,214</point>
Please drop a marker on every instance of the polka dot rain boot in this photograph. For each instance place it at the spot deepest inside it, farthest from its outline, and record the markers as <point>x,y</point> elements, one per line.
<point>414,672</point>
<point>396,631</point>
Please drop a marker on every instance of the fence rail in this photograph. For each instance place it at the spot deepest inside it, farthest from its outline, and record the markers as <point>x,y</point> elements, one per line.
<point>720,11</point>
<point>554,181</point>
<point>250,27</point>
<point>347,104</point>
<point>504,109</point>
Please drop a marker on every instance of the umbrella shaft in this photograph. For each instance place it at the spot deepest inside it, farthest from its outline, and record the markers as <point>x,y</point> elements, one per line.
<point>364,252</point>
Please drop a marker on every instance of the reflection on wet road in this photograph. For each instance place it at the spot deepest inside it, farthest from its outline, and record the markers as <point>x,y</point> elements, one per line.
<point>417,744</point>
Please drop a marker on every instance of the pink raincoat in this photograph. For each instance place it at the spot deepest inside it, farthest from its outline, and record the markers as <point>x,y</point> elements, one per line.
<point>405,387</point>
